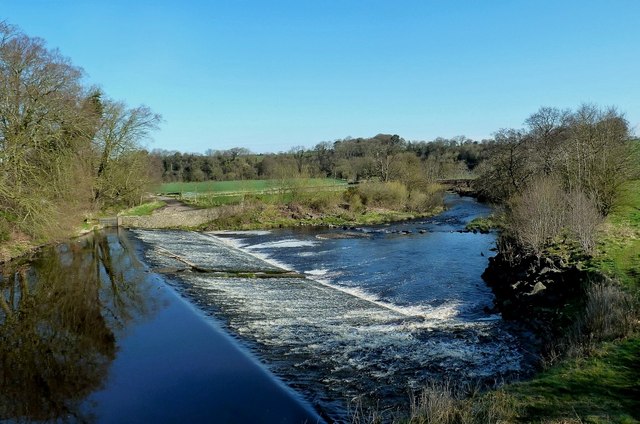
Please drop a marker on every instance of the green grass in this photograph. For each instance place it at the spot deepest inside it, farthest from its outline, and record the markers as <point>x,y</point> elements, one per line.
<point>602,388</point>
<point>144,209</point>
<point>618,253</point>
<point>248,185</point>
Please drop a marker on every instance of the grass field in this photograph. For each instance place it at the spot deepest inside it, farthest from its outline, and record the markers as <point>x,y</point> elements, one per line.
<point>249,186</point>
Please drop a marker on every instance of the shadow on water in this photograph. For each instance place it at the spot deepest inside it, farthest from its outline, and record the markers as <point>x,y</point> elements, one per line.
<point>59,319</point>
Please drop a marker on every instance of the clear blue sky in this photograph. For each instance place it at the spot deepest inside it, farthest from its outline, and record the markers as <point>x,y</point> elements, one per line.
<point>269,75</point>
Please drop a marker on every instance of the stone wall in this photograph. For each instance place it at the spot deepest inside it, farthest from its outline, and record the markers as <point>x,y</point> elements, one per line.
<point>176,219</point>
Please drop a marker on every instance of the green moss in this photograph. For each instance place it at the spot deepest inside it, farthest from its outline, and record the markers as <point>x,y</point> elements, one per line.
<point>485,224</point>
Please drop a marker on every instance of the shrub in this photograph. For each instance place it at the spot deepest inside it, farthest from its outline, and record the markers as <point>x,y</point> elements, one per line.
<point>609,313</point>
<point>392,195</point>
<point>355,203</point>
<point>444,402</point>
<point>583,219</point>
<point>320,201</point>
<point>537,216</point>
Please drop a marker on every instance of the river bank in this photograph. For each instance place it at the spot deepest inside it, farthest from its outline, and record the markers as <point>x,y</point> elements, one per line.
<point>584,310</point>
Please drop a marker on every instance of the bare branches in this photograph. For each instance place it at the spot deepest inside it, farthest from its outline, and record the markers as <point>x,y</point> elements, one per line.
<point>53,131</point>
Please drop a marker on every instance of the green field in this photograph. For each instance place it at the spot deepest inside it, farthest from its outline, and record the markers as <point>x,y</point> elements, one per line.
<point>249,186</point>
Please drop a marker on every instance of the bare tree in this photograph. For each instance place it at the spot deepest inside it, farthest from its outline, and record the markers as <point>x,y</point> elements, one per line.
<point>547,130</point>
<point>583,219</point>
<point>46,123</point>
<point>598,157</point>
<point>122,171</point>
<point>509,168</point>
<point>537,215</point>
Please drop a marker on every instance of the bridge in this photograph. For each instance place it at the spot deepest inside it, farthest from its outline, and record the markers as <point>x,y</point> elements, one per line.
<point>459,185</point>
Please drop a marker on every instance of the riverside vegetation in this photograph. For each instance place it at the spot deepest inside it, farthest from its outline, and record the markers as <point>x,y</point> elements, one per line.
<point>317,202</point>
<point>567,266</point>
<point>67,151</point>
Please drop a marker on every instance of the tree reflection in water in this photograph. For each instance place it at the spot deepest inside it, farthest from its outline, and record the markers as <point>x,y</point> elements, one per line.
<point>59,318</point>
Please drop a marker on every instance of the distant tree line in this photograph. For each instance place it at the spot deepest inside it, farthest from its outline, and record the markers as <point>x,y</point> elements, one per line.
<point>383,158</point>
<point>65,149</point>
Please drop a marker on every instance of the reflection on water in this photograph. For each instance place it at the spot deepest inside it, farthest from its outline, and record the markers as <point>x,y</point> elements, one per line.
<point>59,319</point>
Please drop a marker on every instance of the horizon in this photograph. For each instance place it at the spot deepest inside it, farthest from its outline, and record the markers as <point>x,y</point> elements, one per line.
<point>271,77</point>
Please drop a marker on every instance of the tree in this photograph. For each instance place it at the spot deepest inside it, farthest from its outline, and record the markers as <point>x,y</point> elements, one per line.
<point>385,150</point>
<point>598,156</point>
<point>122,171</point>
<point>547,131</point>
<point>509,167</point>
<point>46,123</point>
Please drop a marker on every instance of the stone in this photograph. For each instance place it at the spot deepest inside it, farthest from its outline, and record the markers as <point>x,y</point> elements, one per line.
<point>537,288</point>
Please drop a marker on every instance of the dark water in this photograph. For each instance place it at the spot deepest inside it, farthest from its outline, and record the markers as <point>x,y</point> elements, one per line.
<point>377,316</point>
<point>88,334</point>
<point>56,341</point>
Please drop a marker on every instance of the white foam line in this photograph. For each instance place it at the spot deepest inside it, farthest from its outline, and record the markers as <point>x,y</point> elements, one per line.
<point>354,292</point>
<point>283,244</point>
<point>241,233</point>
<point>231,244</point>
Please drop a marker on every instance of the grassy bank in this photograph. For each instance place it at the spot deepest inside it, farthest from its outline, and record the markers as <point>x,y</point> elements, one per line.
<point>604,386</point>
<point>264,204</point>
<point>143,209</point>
<point>258,216</point>
<point>368,204</point>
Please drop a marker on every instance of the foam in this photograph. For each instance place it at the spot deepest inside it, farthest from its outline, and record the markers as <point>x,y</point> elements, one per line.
<point>288,243</point>
<point>240,233</point>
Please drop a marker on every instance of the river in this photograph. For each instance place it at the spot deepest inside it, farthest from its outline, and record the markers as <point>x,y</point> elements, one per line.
<point>372,315</point>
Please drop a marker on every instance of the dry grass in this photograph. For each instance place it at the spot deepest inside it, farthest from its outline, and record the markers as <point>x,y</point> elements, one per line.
<point>444,402</point>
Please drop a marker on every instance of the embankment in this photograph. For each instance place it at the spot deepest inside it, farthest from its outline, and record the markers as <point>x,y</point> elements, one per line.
<point>169,218</point>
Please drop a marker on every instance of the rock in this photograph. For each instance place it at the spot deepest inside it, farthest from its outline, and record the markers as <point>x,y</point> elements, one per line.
<point>538,288</point>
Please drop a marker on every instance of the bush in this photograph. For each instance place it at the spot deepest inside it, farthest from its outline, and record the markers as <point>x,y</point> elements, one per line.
<point>583,220</point>
<point>391,195</point>
<point>355,203</point>
<point>426,198</point>
<point>320,201</point>
<point>609,313</point>
<point>537,216</point>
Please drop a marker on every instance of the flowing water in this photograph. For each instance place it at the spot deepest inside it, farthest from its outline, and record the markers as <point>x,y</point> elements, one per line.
<point>381,311</point>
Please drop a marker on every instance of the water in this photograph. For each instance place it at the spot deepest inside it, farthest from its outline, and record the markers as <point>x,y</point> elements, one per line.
<point>88,334</point>
<point>378,316</point>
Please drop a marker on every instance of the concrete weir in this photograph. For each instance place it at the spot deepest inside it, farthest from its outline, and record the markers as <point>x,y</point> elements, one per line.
<point>330,341</point>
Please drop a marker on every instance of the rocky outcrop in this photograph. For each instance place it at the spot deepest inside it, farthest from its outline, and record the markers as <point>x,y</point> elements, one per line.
<point>535,291</point>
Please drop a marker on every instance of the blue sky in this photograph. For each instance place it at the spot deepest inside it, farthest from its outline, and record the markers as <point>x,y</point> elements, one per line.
<point>269,75</point>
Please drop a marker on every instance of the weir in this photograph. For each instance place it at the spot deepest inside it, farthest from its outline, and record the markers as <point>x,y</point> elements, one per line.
<point>332,343</point>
